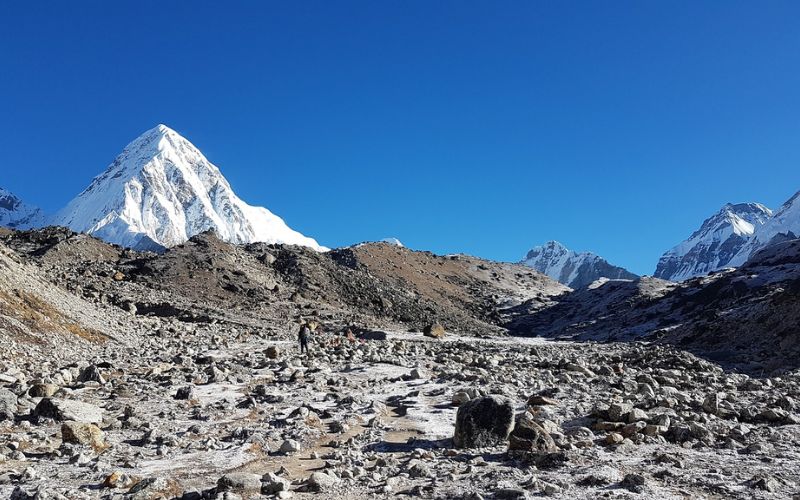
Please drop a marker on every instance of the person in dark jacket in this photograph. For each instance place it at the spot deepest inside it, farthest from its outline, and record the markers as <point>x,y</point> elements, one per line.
<point>302,336</point>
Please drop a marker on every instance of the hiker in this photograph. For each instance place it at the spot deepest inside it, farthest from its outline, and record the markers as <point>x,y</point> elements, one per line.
<point>302,336</point>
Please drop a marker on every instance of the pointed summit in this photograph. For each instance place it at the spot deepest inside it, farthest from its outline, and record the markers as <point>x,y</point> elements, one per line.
<point>716,244</point>
<point>160,191</point>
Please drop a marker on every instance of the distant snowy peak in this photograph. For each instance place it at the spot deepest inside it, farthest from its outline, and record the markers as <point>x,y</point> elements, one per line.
<point>392,241</point>
<point>783,225</point>
<point>573,269</point>
<point>160,191</point>
<point>718,243</point>
<point>16,213</point>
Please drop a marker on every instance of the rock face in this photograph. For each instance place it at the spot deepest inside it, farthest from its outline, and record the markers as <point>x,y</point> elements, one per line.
<point>483,422</point>
<point>717,244</point>
<point>16,213</point>
<point>573,269</point>
<point>160,191</point>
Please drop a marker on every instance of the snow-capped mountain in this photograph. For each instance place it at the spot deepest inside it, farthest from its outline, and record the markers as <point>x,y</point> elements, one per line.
<point>718,243</point>
<point>574,269</point>
<point>783,225</point>
<point>160,191</point>
<point>16,213</point>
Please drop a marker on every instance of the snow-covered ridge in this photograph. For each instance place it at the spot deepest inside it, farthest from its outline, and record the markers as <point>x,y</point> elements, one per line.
<point>783,225</point>
<point>16,213</point>
<point>160,191</point>
<point>717,244</point>
<point>574,269</point>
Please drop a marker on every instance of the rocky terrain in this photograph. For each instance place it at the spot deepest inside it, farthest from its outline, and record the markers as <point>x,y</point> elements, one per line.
<point>141,375</point>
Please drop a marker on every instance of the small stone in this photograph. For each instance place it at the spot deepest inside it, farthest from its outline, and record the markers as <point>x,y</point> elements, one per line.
<point>184,393</point>
<point>289,446</point>
<point>633,482</point>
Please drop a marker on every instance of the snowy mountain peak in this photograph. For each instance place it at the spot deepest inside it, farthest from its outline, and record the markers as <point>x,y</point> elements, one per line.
<point>716,243</point>
<point>16,213</point>
<point>160,191</point>
<point>573,269</point>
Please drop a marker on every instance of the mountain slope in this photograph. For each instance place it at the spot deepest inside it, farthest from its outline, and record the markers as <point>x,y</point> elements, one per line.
<point>573,269</point>
<point>160,191</point>
<point>718,242</point>
<point>16,213</point>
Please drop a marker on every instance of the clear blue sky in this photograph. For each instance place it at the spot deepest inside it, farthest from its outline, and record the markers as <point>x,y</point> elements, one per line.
<point>456,126</point>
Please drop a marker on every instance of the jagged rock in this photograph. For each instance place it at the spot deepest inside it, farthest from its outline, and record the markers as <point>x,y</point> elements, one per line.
<point>482,422</point>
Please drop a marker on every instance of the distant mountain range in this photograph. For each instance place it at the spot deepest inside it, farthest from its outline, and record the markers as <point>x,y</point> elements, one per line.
<point>574,269</point>
<point>161,190</point>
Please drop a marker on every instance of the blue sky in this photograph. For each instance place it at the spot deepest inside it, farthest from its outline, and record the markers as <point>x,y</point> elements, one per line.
<point>456,126</point>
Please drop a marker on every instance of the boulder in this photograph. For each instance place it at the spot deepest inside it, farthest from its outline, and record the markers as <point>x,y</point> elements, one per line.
<point>63,410</point>
<point>485,421</point>
<point>82,433</point>
<point>321,482</point>
<point>272,484</point>
<point>42,390</point>
<point>8,404</point>
<point>529,436</point>
<point>240,482</point>
<point>272,352</point>
<point>435,331</point>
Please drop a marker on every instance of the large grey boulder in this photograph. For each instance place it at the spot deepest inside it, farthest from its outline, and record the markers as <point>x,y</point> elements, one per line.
<point>240,482</point>
<point>8,404</point>
<point>482,422</point>
<point>63,410</point>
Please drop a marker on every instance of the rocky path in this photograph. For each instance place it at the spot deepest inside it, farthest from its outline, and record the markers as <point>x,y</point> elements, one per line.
<point>222,416</point>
